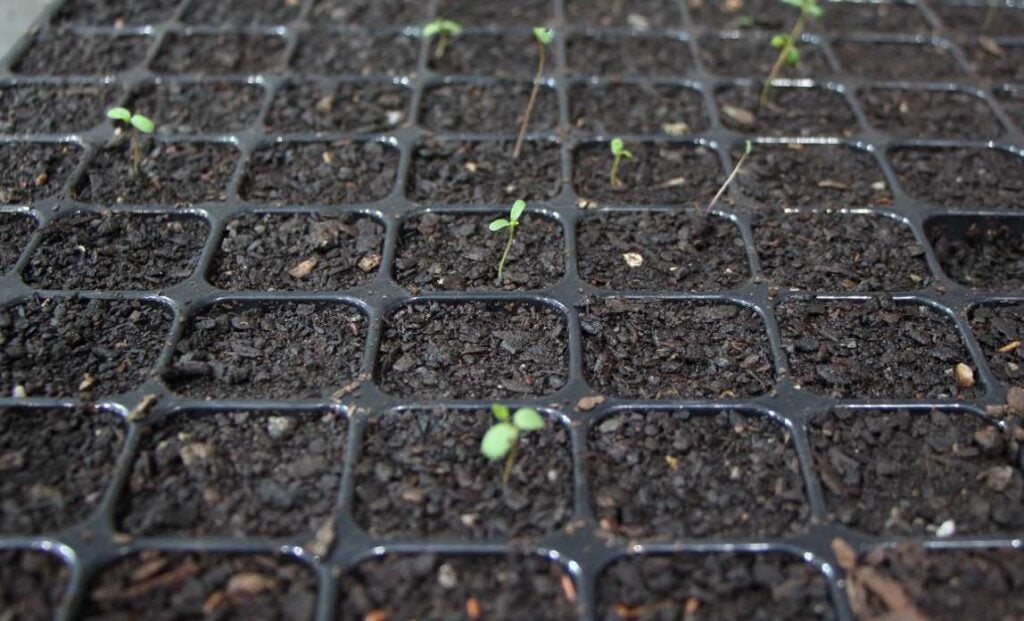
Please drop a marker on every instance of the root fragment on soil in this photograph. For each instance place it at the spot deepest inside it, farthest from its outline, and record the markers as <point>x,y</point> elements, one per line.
<point>863,581</point>
<point>143,408</point>
<point>181,573</point>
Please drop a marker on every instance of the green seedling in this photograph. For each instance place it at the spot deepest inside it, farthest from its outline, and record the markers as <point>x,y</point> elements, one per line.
<point>735,171</point>
<point>443,29</point>
<point>619,151</point>
<point>142,124</point>
<point>510,223</point>
<point>502,439</point>
<point>789,54</point>
<point>543,37</point>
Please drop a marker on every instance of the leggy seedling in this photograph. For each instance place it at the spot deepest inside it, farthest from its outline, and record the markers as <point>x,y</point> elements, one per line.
<point>141,123</point>
<point>443,29</point>
<point>502,439</point>
<point>789,54</point>
<point>735,171</point>
<point>510,223</point>
<point>544,37</point>
<point>619,151</point>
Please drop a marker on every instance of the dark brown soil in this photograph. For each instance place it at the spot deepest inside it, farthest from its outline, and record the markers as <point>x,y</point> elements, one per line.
<point>970,178</point>
<point>1007,66</point>
<point>667,173</point>
<point>650,475</point>
<point>498,55</point>
<point>334,54</point>
<point>981,253</point>
<point>199,107</point>
<point>31,584</point>
<point>497,12</point>
<point>761,14</point>
<point>236,474</point>
<point>639,14</point>
<point>473,350</point>
<point>950,584</point>
<point>116,251</point>
<point>437,587</point>
<point>757,587</point>
<point>15,230</point>
<point>69,107</point>
<point>887,17</point>
<point>271,252</point>
<point>899,473</point>
<point>752,56</point>
<point>488,108</point>
<point>449,252</point>
<point>68,54</point>
<point>643,108</point>
<point>794,175</point>
<point>219,54</point>
<point>1000,331</point>
<point>788,111</point>
<point>369,12</point>
<point>115,12</point>
<point>421,474</point>
<point>326,173</point>
<point>624,55</point>
<point>179,173</point>
<point>930,114</point>
<point>968,20</point>
<point>872,349</point>
<point>32,171</point>
<point>278,350</point>
<point>55,466</point>
<point>839,252</point>
<point>165,586</point>
<point>242,12</point>
<point>897,61</point>
<point>63,347</point>
<point>1010,100</point>
<point>674,350</point>
<point>313,106</point>
<point>484,172</point>
<point>680,251</point>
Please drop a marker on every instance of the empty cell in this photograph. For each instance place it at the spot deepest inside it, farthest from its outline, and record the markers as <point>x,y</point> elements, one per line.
<point>999,328</point>
<point>241,12</point>
<point>369,12</point>
<point>32,583</point>
<point>666,173</point>
<point>327,106</point>
<point>492,107</point>
<point>789,111</point>
<point>199,107</point>
<point>208,54</point>
<point>651,349</point>
<point>495,55</point>
<point>421,474</point>
<point>752,56</point>
<point>695,475</point>
<point>639,14</point>
<point>903,473</point>
<point>69,107</point>
<point>69,54</point>
<point>473,350</point>
<point>635,56</point>
<point>881,60</point>
<point>497,12</point>
<point>116,250</point>
<point>57,464</point>
<point>873,348</point>
<point>15,230</point>
<point>888,17</point>
<point>981,18</point>
<point>980,253</point>
<point>115,13</point>
<point>33,171</point>
<point>636,108</point>
<point>269,350</point>
<point>906,113</point>
<point>355,54</point>
<point>964,177</point>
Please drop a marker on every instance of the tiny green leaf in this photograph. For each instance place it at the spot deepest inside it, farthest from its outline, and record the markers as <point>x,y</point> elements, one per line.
<point>499,440</point>
<point>793,56</point>
<point>815,11</point>
<point>617,147</point>
<point>500,412</point>
<point>544,35</point>
<point>143,123</point>
<point>497,225</point>
<point>442,27</point>
<point>778,41</point>
<point>527,419</point>
<point>119,114</point>
<point>517,210</point>
<point>797,3</point>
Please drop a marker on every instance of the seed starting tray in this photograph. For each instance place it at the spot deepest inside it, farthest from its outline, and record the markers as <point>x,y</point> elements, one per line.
<point>582,550</point>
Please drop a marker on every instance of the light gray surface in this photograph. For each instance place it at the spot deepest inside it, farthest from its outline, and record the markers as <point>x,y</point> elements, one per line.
<point>15,18</point>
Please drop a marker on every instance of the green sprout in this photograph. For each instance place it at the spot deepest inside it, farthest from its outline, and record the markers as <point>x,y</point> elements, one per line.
<point>619,151</point>
<point>544,37</point>
<point>443,29</point>
<point>142,124</point>
<point>502,439</point>
<point>509,223</point>
<point>786,43</point>
<point>735,171</point>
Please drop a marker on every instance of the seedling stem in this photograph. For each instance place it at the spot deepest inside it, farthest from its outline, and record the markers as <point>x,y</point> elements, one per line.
<point>502,438</point>
<point>509,223</point>
<point>443,29</point>
<point>142,125</point>
<point>728,180</point>
<point>543,37</point>
<point>786,44</point>
<point>619,151</point>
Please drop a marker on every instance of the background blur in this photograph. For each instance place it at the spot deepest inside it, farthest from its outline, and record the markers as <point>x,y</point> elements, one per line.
<point>15,17</point>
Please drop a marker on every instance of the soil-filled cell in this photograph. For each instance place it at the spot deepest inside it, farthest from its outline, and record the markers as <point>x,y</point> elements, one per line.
<point>976,19</point>
<point>730,15</point>
<point>63,347</point>
<point>208,54</point>
<point>31,584</point>
<point>753,57</point>
<point>1011,100</point>
<point>661,250</point>
<point>758,587</point>
<point>874,17</point>
<point>114,12</point>
<point>650,349</point>
<point>456,252</point>
<point>1000,331</point>
<point>421,474</point>
<point>873,348</point>
<point>323,106</point>
<point>473,350</point>
<point>116,251</point>
<point>15,230</point>
<point>495,108</point>
<point>639,14</point>
<point>1004,63</point>
<point>69,107</point>
<point>965,177</point>
<point>793,111</point>
<point>353,53</point>
<point>457,587</point>
<point>903,473</point>
<point>236,474</point>
<point>279,350</point>
<point>839,252</point>
<point>56,465</point>
<point>241,12</point>
<point>33,171</point>
<point>497,12</point>
<point>68,54</point>
<point>641,108</point>
<point>678,474</point>
<point>298,252</point>
<point>199,107</point>
<point>897,61</point>
<point>665,173</point>
<point>930,114</point>
<point>634,56</point>
<point>980,253</point>
<point>369,12</point>
<point>165,586</point>
<point>495,55</point>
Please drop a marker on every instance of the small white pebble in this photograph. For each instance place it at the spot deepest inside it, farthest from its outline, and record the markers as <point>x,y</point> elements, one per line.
<point>946,529</point>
